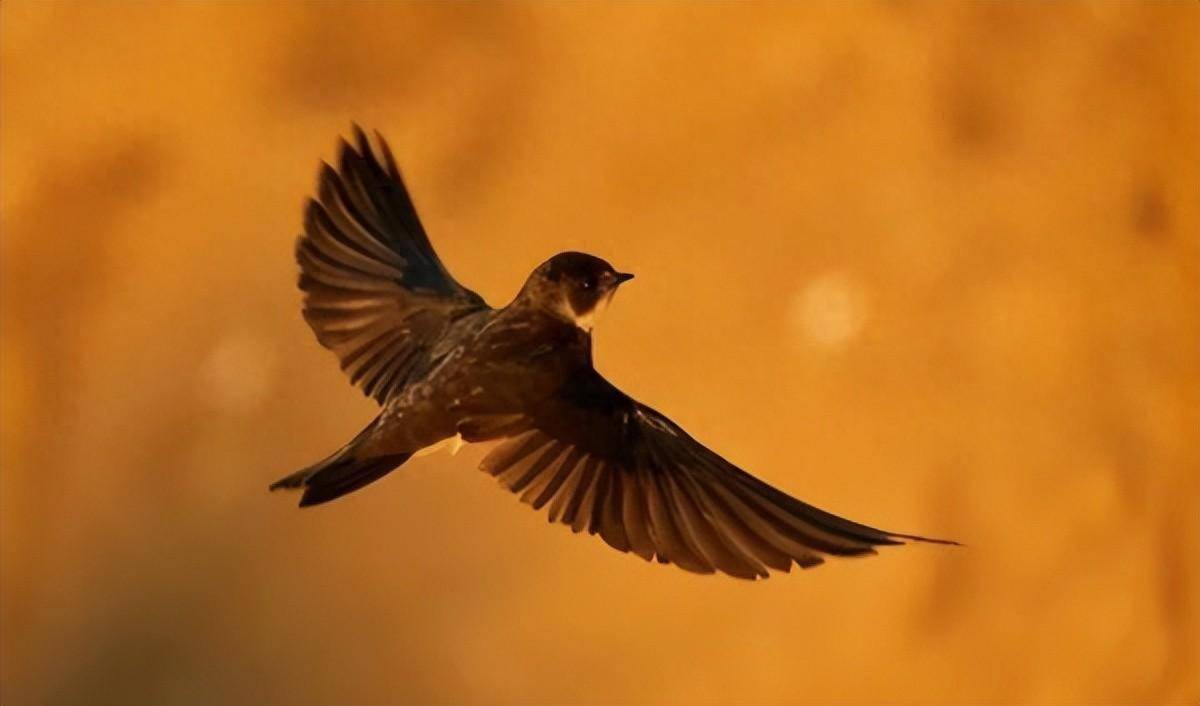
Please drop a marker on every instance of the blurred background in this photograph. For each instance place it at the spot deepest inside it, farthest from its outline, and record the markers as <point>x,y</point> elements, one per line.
<point>932,266</point>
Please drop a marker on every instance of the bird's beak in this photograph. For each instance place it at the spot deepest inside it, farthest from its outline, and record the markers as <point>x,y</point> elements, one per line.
<point>623,277</point>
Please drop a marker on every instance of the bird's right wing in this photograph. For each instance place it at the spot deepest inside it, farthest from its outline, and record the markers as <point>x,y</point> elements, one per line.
<point>607,464</point>
<point>375,292</point>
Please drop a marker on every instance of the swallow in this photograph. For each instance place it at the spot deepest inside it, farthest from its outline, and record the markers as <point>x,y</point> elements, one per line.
<point>444,366</point>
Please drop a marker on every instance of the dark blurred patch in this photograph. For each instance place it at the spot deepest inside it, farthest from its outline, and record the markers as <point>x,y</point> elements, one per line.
<point>63,231</point>
<point>178,573</point>
<point>348,60</point>
<point>989,46</point>
<point>1178,609</point>
<point>1150,213</point>
<point>55,269</point>
<point>348,55</point>
<point>492,134</point>
<point>972,110</point>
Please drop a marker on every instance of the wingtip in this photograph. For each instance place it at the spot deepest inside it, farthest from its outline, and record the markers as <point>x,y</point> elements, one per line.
<point>346,156</point>
<point>311,207</point>
<point>357,155</point>
<point>326,176</point>
<point>360,139</point>
<point>389,161</point>
<point>808,562</point>
<point>928,540</point>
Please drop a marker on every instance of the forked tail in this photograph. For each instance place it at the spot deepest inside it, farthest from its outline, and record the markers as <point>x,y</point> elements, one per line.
<point>343,472</point>
<point>334,477</point>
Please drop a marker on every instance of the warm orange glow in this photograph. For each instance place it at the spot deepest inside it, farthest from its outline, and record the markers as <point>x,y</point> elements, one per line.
<point>932,266</point>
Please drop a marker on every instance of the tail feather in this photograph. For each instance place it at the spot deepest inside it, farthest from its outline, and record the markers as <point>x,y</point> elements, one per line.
<point>338,475</point>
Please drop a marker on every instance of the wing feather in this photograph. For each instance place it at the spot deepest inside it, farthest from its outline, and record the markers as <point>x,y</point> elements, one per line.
<point>621,470</point>
<point>555,480</point>
<point>566,490</point>
<point>634,515</point>
<point>375,291</point>
<point>612,529</point>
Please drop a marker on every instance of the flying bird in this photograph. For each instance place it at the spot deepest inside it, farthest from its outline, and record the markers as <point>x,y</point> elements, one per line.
<point>445,366</point>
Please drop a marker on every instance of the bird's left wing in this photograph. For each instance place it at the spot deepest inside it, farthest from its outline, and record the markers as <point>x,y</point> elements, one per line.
<point>375,292</point>
<point>609,465</point>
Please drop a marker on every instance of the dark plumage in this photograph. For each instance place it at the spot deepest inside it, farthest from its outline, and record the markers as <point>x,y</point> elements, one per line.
<point>442,363</point>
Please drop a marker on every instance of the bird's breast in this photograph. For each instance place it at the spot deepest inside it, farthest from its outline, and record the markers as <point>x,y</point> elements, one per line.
<point>513,364</point>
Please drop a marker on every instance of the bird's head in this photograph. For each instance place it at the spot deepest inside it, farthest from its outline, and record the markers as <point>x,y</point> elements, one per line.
<point>573,286</point>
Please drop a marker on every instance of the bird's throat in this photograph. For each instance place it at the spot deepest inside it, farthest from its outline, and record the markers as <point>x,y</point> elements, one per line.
<point>586,321</point>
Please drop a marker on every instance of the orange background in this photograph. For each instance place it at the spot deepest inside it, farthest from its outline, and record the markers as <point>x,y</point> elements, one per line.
<point>931,266</point>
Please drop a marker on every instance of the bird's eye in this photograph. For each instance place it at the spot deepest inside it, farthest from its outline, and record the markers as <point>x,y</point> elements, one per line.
<point>589,283</point>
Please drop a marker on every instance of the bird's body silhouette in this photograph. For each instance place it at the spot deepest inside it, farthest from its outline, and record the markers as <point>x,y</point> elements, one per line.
<point>444,365</point>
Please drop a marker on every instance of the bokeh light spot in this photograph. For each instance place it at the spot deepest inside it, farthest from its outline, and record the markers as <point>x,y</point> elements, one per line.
<point>237,374</point>
<point>830,310</point>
